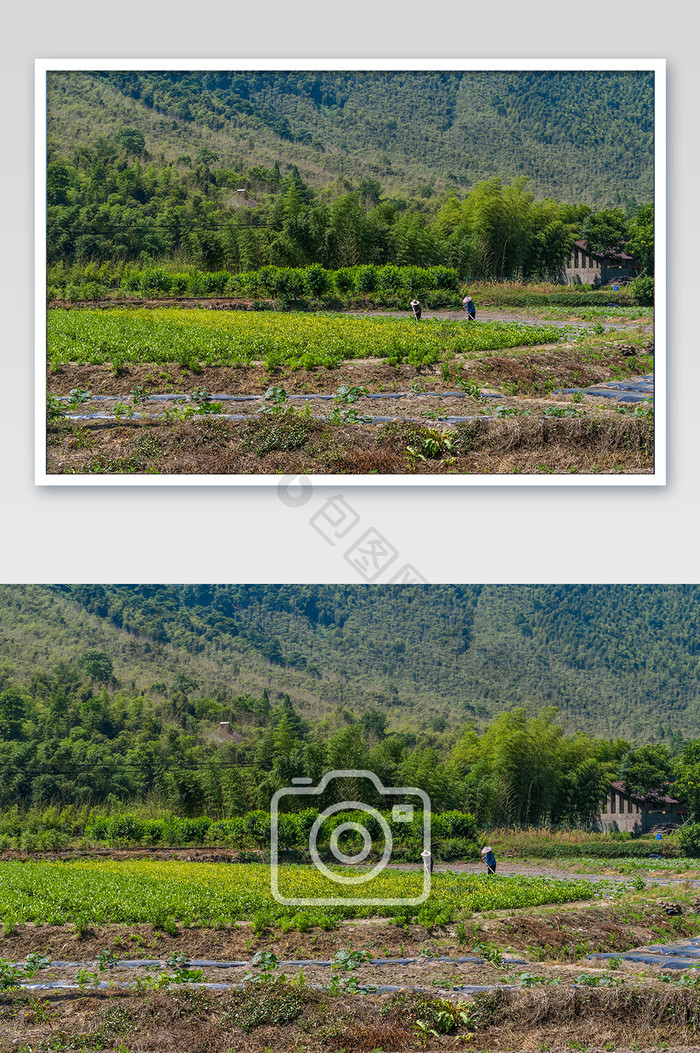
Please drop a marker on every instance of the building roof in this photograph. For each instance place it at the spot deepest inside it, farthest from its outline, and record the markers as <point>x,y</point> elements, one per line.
<point>618,785</point>
<point>611,254</point>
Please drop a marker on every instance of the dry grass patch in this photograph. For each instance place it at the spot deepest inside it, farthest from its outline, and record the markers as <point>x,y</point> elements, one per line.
<point>296,444</point>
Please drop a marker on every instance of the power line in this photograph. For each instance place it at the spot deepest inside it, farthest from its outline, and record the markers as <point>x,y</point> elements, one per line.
<point>116,767</point>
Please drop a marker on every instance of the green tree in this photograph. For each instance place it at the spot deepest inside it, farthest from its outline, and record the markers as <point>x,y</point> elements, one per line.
<point>375,723</point>
<point>189,797</point>
<point>60,178</point>
<point>647,771</point>
<point>605,230</point>
<point>184,683</point>
<point>98,666</point>
<point>12,710</point>
<point>524,757</point>
<point>132,140</point>
<point>641,243</point>
<point>686,769</point>
<point>346,234</point>
<point>585,788</point>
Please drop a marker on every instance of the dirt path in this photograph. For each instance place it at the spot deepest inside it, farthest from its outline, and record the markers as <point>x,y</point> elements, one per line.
<point>520,315</point>
<point>486,314</point>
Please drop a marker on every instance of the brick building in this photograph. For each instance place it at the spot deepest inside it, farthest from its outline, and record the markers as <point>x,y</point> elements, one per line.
<point>636,814</point>
<point>593,268</point>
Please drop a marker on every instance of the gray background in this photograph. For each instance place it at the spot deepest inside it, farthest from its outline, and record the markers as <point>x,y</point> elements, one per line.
<point>131,534</point>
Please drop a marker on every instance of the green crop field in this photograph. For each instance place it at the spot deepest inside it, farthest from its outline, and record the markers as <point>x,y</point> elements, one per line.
<point>196,338</point>
<point>105,891</point>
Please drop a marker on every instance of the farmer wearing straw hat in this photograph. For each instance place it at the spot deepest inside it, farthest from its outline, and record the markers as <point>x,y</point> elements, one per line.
<point>489,859</point>
<point>469,307</point>
<point>415,304</point>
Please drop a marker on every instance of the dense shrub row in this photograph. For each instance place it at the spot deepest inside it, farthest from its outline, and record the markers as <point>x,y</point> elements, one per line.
<point>389,285</point>
<point>454,835</point>
<point>285,284</point>
<point>516,294</point>
<point>253,829</point>
<point>599,849</point>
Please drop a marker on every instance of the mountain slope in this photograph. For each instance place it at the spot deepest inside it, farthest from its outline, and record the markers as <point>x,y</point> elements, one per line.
<point>617,660</point>
<point>578,135</point>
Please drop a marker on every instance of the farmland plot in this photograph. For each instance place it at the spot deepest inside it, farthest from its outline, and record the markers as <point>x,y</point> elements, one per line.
<point>209,338</point>
<point>208,893</point>
<point>516,973</point>
<point>180,391</point>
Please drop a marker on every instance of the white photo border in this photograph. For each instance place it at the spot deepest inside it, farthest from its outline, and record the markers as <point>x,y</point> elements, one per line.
<point>44,66</point>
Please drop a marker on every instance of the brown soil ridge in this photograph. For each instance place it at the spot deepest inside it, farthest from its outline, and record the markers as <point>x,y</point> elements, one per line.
<point>276,446</point>
<point>555,367</point>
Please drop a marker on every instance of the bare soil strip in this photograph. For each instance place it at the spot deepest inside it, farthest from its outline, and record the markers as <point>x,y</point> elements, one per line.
<point>528,369</point>
<point>279,446</point>
<point>560,1001</point>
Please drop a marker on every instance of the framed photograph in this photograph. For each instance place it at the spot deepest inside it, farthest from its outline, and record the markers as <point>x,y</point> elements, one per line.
<point>446,272</point>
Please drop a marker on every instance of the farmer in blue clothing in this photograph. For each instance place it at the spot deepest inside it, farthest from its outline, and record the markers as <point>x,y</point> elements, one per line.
<point>469,307</point>
<point>489,859</point>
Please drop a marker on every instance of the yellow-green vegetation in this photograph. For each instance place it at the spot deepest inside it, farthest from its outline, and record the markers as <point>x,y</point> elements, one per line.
<point>575,844</point>
<point>194,338</point>
<point>166,893</point>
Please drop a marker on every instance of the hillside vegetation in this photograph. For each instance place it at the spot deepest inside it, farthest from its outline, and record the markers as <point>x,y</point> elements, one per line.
<point>615,659</point>
<point>572,132</point>
<point>206,699</point>
<point>494,175</point>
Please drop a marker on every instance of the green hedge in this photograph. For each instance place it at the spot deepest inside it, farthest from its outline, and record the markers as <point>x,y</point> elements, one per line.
<point>436,287</point>
<point>504,297</point>
<point>608,849</point>
<point>252,830</point>
<point>280,283</point>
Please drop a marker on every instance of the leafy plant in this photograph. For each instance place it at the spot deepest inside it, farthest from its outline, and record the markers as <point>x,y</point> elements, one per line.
<point>528,980</point>
<point>10,975</point>
<point>489,952</point>
<point>266,962</point>
<point>106,959</point>
<point>598,980</point>
<point>77,397</point>
<point>349,394</point>
<point>349,960</point>
<point>471,389</point>
<point>510,411</point>
<point>431,444</point>
<point>186,976</point>
<point>139,394</point>
<point>560,411</point>
<point>35,963</point>
<point>344,416</point>
<point>84,978</point>
<point>54,407</point>
<point>276,395</point>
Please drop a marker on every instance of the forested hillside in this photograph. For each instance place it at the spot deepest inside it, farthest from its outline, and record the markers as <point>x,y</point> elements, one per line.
<point>492,174</point>
<point>573,133</point>
<point>207,698</point>
<point>615,659</point>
